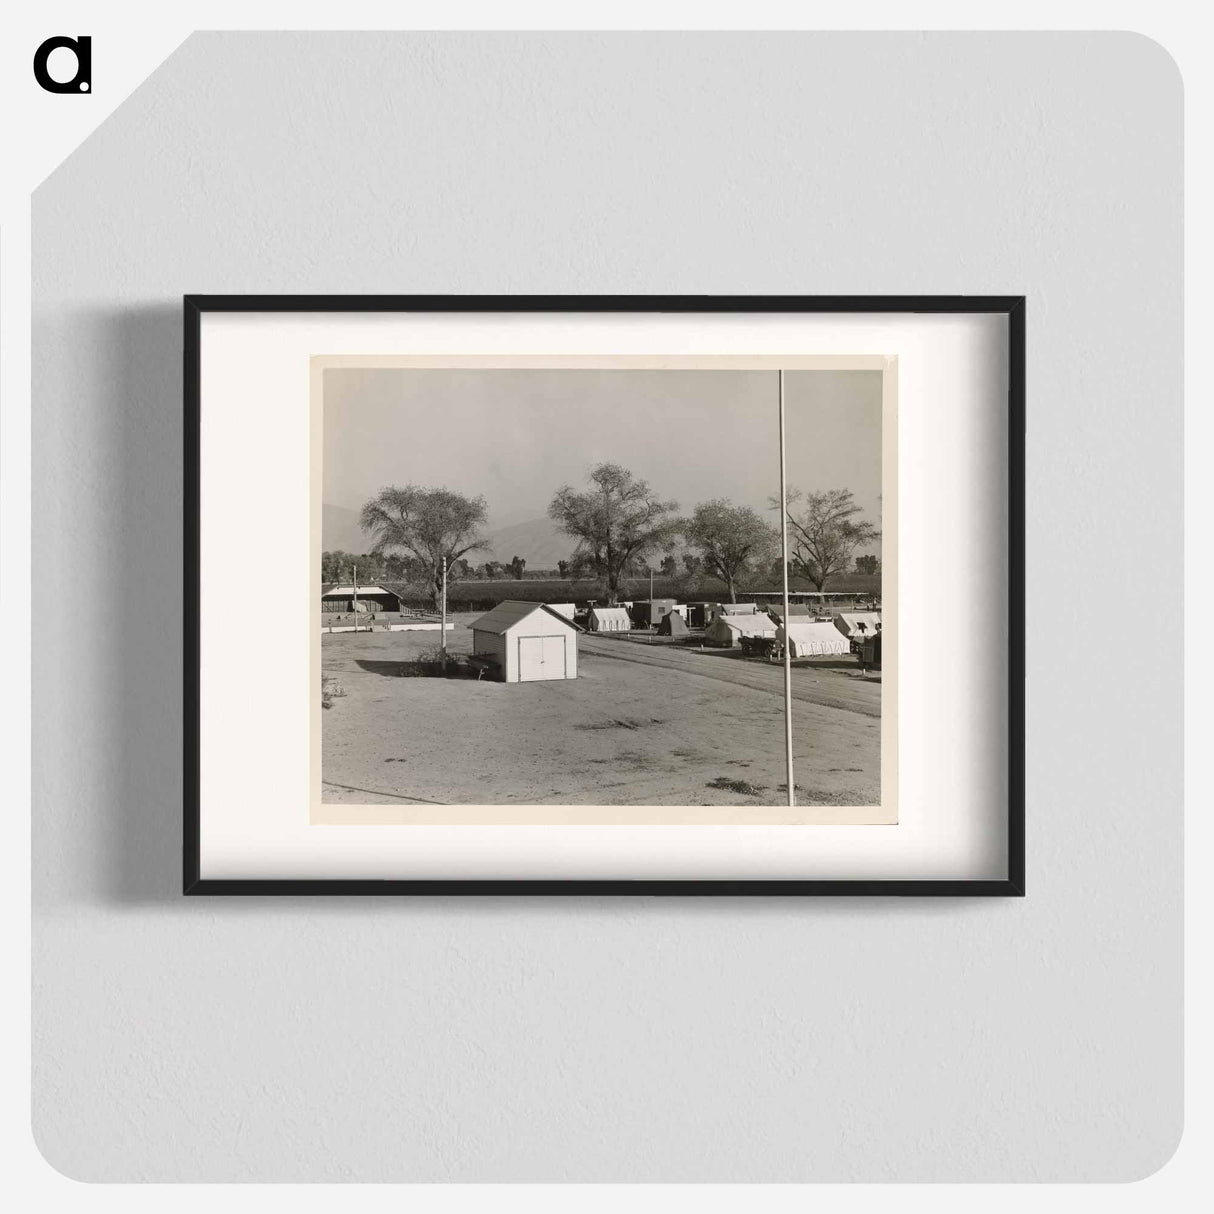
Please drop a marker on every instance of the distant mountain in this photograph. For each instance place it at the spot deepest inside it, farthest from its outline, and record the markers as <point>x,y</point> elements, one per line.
<point>340,531</point>
<point>539,542</point>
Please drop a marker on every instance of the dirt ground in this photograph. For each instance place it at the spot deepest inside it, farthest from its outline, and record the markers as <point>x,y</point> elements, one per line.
<point>643,724</point>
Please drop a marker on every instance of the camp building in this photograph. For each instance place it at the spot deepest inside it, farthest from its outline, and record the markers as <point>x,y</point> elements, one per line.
<point>370,598</point>
<point>648,613</point>
<point>728,630</point>
<point>530,642</point>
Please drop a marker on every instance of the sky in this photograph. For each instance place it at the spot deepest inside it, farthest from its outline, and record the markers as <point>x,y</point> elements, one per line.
<point>516,436</point>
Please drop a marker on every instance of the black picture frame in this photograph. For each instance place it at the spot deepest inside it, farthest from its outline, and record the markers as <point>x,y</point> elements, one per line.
<point>1010,306</point>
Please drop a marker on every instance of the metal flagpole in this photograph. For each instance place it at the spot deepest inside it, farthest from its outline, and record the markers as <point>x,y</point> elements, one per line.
<point>792,796</point>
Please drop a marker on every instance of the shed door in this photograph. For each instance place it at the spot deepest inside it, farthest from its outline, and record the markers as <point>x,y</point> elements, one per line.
<point>541,658</point>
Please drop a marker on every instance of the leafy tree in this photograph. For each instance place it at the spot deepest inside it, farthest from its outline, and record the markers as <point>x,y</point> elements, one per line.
<point>428,525</point>
<point>618,521</point>
<point>692,564</point>
<point>562,567</point>
<point>517,565</point>
<point>334,566</point>
<point>868,564</point>
<point>669,565</point>
<point>730,539</point>
<point>824,532</point>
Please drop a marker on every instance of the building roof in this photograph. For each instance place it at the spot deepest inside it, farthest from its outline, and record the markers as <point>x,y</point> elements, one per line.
<point>510,612</point>
<point>793,608</point>
<point>747,624</point>
<point>348,592</point>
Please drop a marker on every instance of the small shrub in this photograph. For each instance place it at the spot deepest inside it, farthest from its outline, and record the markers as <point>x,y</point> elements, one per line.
<point>739,786</point>
<point>430,665</point>
<point>330,690</point>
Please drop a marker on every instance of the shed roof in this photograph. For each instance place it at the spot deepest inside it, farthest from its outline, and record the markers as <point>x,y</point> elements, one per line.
<point>510,612</point>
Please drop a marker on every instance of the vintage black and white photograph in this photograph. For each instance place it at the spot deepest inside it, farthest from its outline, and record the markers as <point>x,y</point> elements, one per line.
<point>567,586</point>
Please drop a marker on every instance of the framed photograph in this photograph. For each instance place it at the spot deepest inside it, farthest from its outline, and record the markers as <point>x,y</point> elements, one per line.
<point>612,594</point>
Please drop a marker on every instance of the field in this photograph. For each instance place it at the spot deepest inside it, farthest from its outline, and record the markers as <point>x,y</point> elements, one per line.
<point>481,595</point>
<point>643,724</point>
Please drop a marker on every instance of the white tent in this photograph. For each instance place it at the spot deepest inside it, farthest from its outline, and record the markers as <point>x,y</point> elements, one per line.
<point>568,610</point>
<point>848,623</point>
<point>728,630</point>
<point>609,619</point>
<point>811,639</point>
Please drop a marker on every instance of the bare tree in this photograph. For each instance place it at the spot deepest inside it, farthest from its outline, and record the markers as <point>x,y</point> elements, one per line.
<point>730,538</point>
<point>427,524</point>
<point>617,523</point>
<point>825,532</point>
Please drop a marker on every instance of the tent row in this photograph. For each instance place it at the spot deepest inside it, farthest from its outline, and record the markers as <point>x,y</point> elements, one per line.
<point>805,638</point>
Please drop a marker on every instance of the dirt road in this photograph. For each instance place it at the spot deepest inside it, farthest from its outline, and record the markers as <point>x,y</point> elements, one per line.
<point>834,683</point>
<point>641,725</point>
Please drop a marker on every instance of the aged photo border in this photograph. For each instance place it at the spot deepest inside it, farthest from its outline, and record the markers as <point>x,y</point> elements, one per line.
<point>1011,307</point>
<point>884,814</point>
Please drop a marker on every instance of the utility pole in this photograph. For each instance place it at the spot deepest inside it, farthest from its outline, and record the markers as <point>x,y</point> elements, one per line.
<point>355,598</point>
<point>443,645</point>
<point>792,797</point>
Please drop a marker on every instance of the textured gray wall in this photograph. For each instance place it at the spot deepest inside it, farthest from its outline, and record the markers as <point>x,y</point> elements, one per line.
<point>629,1039</point>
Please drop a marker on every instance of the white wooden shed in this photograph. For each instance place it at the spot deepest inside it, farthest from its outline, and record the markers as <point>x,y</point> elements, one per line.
<point>529,641</point>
